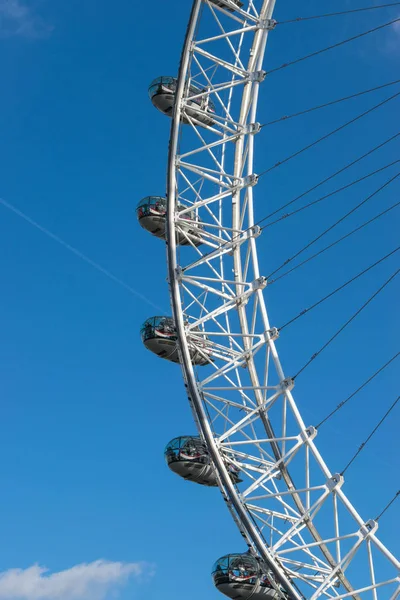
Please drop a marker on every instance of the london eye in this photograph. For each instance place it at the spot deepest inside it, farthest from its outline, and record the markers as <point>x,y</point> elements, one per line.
<point>302,535</point>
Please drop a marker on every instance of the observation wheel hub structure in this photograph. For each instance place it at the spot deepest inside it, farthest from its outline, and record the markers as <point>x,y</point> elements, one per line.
<point>304,537</point>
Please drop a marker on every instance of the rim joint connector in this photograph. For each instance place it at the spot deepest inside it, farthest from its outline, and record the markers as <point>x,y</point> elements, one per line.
<point>259,284</point>
<point>368,528</point>
<point>268,24</point>
<point>179,273</point>
<point>257,76</point>
<point>242,182</point>
<point>308,434</point>
<point>242,301</point>
<point>335,482</point>
<point>255,231</point>
<point>272,334</point>
<point>246,357</point>
<point>251,128</point>
<point>287,384</point>
<point>250,180</point>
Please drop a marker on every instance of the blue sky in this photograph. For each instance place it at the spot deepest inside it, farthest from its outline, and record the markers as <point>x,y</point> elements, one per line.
<point>86,411</point>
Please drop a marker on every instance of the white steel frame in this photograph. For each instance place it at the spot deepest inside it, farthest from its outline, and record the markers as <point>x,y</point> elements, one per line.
<point>290,508</point>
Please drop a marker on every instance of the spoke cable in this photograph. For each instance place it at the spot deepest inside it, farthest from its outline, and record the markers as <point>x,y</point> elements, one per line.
<point>341,239</point>
<point>337,191</point>
<point>347,166</point>
<point>332,102</point>
<point>361,448</point>
<point>346,41</point>
<point>388,506</point>
<point>361,387</point>
<point>327,135</point>
<point>345,216</point>
<point>335,14</point>
<point>308,191</point>
<point>338,289</point>
<point>335,335</point>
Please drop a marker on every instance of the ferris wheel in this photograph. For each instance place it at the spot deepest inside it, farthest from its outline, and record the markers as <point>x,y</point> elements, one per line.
<point>304,537</point>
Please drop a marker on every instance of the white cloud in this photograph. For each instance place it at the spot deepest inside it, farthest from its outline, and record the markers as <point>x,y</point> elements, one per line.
<point>17,19</point>
<point>89,581</point>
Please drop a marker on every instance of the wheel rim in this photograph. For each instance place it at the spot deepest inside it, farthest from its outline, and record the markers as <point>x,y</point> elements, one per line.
<point>326,556</point>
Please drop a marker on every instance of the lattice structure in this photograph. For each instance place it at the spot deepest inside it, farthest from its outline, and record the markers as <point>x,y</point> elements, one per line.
<point>290,508</point>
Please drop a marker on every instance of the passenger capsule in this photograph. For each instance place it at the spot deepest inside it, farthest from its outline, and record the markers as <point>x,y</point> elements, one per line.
<point>222,5</point>
<point>243,576</point>
<point>187,456</point>
<point>151,213</point>
<point>162,94</point>
<point>159,335</point>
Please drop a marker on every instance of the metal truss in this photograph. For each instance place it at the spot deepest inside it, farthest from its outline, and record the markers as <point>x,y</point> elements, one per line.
<point>289,507</point>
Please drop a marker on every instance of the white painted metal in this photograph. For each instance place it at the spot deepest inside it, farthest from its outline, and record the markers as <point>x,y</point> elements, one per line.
<point>290,508</point>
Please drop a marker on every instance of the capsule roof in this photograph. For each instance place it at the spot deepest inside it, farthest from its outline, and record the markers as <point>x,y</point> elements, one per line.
<point>159,201</point>
<point>160,204</point>
<point>234,572</point>
<point>179,442</point>
<point>152,325</point>
<point>184,446</point>
<point>166,83</point>
<point>231,562</point>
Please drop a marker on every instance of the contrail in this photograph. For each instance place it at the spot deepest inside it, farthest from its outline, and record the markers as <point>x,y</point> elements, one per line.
<point>80,255</point>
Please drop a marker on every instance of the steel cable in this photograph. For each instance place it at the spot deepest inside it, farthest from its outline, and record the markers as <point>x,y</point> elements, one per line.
<point>337,191</point>
<point>361,387</point>
<point>338,289</point>
<point>327,135</point>
<point>331,103</point>
<point>317,185</point>
<point>341,239</point>
<point>345,216</point>
<point>336,14</point>
<point>361,448</point>
<point>388,505</point>
<point>309,190</point>
<point>339,331</point>
<point>341,43</point>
